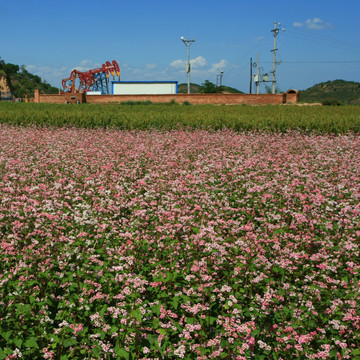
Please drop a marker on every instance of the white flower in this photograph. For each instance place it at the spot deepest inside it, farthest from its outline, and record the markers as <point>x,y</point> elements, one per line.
<point>180,351</point>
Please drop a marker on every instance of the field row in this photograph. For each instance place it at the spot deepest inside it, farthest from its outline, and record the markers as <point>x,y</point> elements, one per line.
<point>321,119</point>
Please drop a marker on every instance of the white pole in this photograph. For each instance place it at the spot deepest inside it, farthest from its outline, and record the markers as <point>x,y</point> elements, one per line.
<point>258,75</point>
<point>188,43</point>
<point>276,32</point>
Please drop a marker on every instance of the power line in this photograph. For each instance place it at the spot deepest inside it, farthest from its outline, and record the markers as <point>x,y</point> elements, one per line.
<point>316,62</point>
<point>261,39</point>
<point>340,44</point>
<point>307,34</point>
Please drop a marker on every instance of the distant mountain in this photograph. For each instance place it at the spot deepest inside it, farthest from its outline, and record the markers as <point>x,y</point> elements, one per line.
<point>195,88</point>
<point>22,82</point>
<point>345,92</point>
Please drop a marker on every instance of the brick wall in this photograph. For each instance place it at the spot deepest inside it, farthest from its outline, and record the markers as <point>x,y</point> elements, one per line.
<point>227,99</point>
<point>49,98</point>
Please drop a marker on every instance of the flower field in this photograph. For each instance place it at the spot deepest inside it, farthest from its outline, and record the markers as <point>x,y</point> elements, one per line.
<point>178,244</point>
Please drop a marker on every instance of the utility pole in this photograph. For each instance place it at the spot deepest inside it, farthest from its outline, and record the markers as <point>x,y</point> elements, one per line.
<point>258,75</point>
<point>251,65</point>
<point>188,43</point>
<point>275,31</point>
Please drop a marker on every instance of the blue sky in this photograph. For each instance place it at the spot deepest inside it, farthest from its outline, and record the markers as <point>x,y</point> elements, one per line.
<point>320,42</point>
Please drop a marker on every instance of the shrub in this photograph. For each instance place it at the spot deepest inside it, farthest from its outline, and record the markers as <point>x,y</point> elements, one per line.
<point>331,102</point>
<point>132,102</point>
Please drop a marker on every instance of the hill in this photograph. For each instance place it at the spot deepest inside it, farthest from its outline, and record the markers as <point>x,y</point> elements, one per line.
<point>22,82</point>
<point>196,88</point>
<point>341,91</point>
<point>345,92</point>
<point>231,90</point>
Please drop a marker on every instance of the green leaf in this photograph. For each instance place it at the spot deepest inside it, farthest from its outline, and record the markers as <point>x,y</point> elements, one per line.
<point>136,314</point>
<point>156,309</point>
<point>196,230</point>
<point>96,352</point>
<point>2,354</point>
<point>185,298</point>
<point>31,343</point>
<point>211,319</point>
<point>18,342</point>
<point>162,331</point>
<point>70,342</point>
<point>122,353</point>
<point>6,335</point>
<point>150,338</point>
<point>114,329</point>
<point>156,323</point>
<point>103,310</point>
<point>23,309</point>
<point>175,302</point>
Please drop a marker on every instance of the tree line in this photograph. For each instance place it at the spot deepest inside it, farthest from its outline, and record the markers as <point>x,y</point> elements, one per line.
<point>21,82</point>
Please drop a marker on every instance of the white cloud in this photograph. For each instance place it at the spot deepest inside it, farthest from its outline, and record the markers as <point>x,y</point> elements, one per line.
<point>298,24</point>
<point>86,62</point>
<point>178,64</point>
<point>313,24</point>
<point>317,24</point>
<point>218,66</point>
<point>198,62</point>
<point>151,66</point>
<point>86,65</point>
<point>200,69</point>
<point>46,71</point>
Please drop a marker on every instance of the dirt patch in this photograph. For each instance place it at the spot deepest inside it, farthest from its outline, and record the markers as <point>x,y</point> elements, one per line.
<point>303,104</point>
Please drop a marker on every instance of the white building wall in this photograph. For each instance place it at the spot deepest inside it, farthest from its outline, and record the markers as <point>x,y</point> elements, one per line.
<point>144,88</point>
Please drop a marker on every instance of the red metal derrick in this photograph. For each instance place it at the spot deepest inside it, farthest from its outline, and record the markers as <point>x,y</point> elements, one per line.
<point>94,79</point>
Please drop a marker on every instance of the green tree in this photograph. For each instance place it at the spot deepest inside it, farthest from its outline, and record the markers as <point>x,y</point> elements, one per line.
<point>208,87</point>
<point>11,69</point>
<point>268,89</point>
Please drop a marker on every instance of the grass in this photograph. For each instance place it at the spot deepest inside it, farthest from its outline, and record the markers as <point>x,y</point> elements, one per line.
<point>336,120</point>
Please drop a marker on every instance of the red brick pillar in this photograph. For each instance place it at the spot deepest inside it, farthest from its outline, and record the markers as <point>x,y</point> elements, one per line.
<point>37,96</point>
